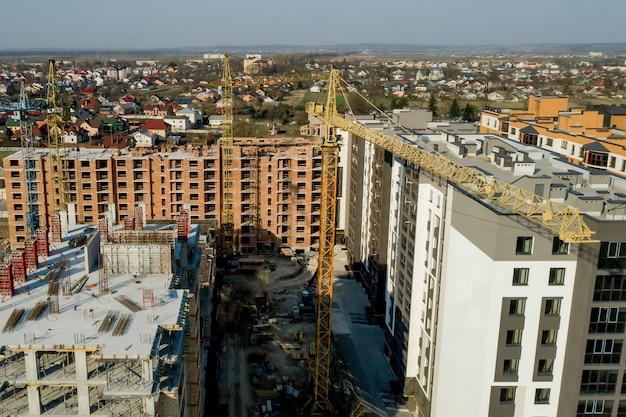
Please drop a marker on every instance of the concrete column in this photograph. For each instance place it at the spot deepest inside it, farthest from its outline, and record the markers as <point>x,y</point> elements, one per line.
<point>32,368</point>
<point>147,372</point>
<point>148,406</point>
<point>80,360</point>
<point>34,401</point>
<point>83,400</point>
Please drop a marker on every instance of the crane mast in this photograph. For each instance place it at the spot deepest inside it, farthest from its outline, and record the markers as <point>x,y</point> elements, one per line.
<point>226,145</point>
<point>30,172</point>
<point>55,142</point>
<point>328,209</point>
<point>556,217</point>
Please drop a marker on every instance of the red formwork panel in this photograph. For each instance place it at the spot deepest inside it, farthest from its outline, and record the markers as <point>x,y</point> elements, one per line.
<point>30,254</point>
<point>129,223</point>
<point>6,281</point>
<point>18,266</point>
<point>43,246</point>
<point>182,224</point>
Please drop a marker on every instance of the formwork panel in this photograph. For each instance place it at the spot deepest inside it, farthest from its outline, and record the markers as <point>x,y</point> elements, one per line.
<point>30,254</point>
<point>6,281</point>
<point>18,266</point>
<point>43,247</point>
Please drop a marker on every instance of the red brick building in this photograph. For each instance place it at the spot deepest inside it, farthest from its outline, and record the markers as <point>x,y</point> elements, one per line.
<point>277,195</point>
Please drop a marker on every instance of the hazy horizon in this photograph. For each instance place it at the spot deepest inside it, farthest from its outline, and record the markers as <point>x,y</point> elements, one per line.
<point>160,24</point>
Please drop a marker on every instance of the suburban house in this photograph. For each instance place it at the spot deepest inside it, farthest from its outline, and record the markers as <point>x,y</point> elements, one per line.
<point>156,127</point>
<point>178,124</point>
<point>73,134</point>
<point>194,116</point>
<point>144,138</point>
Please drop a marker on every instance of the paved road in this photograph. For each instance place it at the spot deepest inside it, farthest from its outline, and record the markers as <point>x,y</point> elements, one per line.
<point>360,343</point>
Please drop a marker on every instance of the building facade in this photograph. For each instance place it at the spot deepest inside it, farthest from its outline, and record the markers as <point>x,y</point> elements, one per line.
<point>277,200</point>
<point>482,305</point>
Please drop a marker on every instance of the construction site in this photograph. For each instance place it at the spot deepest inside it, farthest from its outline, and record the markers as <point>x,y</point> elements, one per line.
<point>105,322</point>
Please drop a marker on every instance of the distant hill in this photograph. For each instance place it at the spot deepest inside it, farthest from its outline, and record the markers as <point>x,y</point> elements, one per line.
<point>611,49</point>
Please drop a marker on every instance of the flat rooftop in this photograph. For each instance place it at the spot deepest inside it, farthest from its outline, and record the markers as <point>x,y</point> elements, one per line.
<point>79,323</point>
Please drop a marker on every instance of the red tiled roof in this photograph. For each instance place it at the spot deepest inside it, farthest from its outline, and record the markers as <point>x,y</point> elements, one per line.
<point>154,124</point>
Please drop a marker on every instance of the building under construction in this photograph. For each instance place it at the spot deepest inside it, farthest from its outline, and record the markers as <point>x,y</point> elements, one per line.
<point>277,199</point>
<point>107,325</point>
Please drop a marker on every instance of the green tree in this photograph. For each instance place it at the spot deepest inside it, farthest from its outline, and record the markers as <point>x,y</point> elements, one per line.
<point>469,113</point>
<point>432,105</point>
<point>455,110</point>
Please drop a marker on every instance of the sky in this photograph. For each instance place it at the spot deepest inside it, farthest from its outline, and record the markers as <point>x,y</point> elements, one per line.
<point>154,24</point>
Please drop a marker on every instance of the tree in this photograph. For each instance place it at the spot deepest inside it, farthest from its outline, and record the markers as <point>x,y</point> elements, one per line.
<point>432,105</point>
<point>469,113</point>
<point>455,110</point>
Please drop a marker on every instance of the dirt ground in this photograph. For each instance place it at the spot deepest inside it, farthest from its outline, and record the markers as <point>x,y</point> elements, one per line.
<point>265,358</point>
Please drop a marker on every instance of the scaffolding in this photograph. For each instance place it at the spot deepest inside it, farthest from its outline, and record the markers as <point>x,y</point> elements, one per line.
<point>182,225</point>
<point>43,247</point>
<point>30,254</point>
<point>143,237</point>
<point>138,217</point>
<point>6,281</point>
<point>55,228</point>
<point>18,266</point>
<point>142,259</point>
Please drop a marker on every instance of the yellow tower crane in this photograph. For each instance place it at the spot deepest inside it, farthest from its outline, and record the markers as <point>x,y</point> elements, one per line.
<point>226,145</point>
<point>556,217</point>
<point>57,149</point>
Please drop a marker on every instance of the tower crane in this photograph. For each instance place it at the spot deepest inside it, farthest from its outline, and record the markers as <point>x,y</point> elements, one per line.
<point>227,225</point>
<point>565,221</point>
<point>57,148</point>
<point>27,142</point>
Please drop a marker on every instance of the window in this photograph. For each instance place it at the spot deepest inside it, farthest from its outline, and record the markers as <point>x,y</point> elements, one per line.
<point>548,337</point>
<point>607,320</point>
<point>594,408</point>
<point>545,366</point>
<point>123,206</point>
<point>301,162</point>
<point>516,306</point>
<point>603,351</point>
<point>299,218</point>
<point>513,337</point>
<point>610,288</point>
<point>17,196</point>
<point>193,164</point>
<point>193,175</point>
<point>557,276</point>
<point>507,395</point>
<point>86,186</point>
<point>85,174</point>
<point>559,247</point>
<point>520,276</point>
<point>598,381</point>
<point>192,186</point>
<point>542,395</point>
<point>549,141</point>
<point>18,207</point>
<point>84,164</point>
<point>524,245</point>
<point>88,219</point>
<point>553,307</point>
<point>511,366</point>
<point>15,174</point>
<point>88,207</point>
<point>612,255</point>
